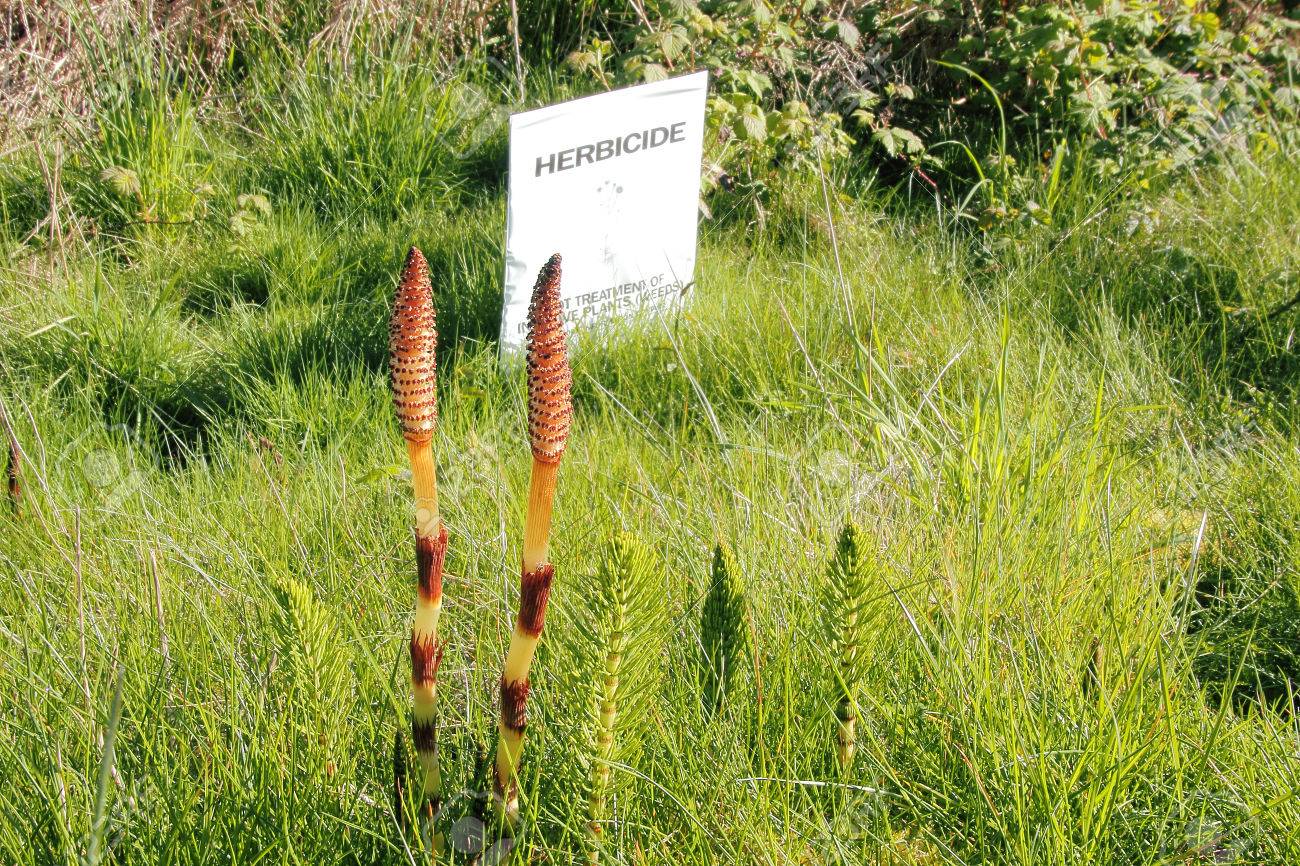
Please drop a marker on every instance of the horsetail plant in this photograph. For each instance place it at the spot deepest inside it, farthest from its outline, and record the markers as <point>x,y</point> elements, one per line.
<point>723,636</point>
<point>413,343</point>
<point>621,623</point>
<point>846,623</point>
<point>305,632</point>
<point>550,412</point>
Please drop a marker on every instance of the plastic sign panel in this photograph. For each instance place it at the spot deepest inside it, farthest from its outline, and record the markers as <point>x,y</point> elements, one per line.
<point>612,183</point>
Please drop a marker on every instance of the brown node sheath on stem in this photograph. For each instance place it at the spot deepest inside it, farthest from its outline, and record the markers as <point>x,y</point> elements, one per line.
<point>412,347</point>
<point>426,657</point>
<point>424,734</point>
<point>550,403</point>
<point>514,705</point>
<point>430,553</point>
<point>534,591</point>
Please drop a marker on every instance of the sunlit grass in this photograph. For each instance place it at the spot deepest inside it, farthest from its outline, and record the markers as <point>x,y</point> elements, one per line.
<point>1072,450</point>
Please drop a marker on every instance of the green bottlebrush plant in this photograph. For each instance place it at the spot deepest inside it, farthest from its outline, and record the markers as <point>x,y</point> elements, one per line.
<point>307,641</point>
<point>724,633</point>
<point>846,620</point>
<point>621,625</point>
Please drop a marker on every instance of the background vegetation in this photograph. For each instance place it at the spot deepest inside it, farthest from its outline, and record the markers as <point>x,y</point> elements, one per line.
<point>1012,289</point>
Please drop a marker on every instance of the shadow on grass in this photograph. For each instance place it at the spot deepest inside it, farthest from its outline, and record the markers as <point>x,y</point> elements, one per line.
<point>1246,629</point>
<point>284,308</point>
<point>1245,625</point>
<point>1224,341</point>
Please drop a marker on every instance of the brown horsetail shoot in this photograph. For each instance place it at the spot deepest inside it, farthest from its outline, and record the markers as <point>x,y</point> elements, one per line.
<point>413,344</point>
<point>550,412</point>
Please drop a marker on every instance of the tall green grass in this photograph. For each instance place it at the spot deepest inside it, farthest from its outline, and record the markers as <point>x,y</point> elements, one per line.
<point>1073,444</point>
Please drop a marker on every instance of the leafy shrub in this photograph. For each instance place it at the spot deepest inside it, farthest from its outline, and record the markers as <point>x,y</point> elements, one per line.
<point>760,125</point>
<point>1143,86</point>
<point>954,93</point>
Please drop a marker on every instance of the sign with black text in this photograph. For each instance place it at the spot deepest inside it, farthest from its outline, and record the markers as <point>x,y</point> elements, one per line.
<point>612,183</point>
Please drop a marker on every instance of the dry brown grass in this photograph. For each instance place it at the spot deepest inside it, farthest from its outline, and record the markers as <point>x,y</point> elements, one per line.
<point>49,49</point>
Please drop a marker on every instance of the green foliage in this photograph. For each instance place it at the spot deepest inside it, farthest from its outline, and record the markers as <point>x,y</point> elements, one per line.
<point>846,617</point>
<point>621,652</point>
<point>761,125</point>
<point>1015,422</point>
<point>1035,418</point>
<point>307,646</point>
<point>1142,87</point>
<point>847,604</point>
<point>377,136</point>
<point>142,165</point>
<point>724,634</point>
<point>551,29</point>
<point>961,96</point>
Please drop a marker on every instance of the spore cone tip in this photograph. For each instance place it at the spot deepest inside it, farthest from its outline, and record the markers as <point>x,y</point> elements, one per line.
<point>550,403</point>
<point>412,346</point>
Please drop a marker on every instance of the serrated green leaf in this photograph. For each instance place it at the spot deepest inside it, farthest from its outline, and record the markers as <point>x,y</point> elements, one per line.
<point>255,203</point>
<point>673,42</point>
<point>898,141</point>
<point>654,72</point>
<point>847,32</point>
<point>753,123</point>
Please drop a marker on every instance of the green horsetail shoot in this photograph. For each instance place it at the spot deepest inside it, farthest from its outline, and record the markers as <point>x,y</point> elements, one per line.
<point>846,622</point>
<point>622,623</point>
<point>723,631</point>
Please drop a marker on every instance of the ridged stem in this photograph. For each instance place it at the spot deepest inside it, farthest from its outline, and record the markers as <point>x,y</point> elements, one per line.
<point>425,484</point>
<point>534,591</point>
<point>846,712</point>
<point>15,477</point>
<point>537,521</point>
<point>426,657</point>
<point>606,719</point>
<point>426,649</point>
<point>846,744</point>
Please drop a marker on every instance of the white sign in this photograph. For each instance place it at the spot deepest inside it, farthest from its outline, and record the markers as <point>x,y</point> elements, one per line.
<point>612,183</point>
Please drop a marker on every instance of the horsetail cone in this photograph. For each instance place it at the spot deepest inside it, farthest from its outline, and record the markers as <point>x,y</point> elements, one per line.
<point>413,374</point>
<point>550,407</point>
<point>550,412</point>
<point>413,344</point>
